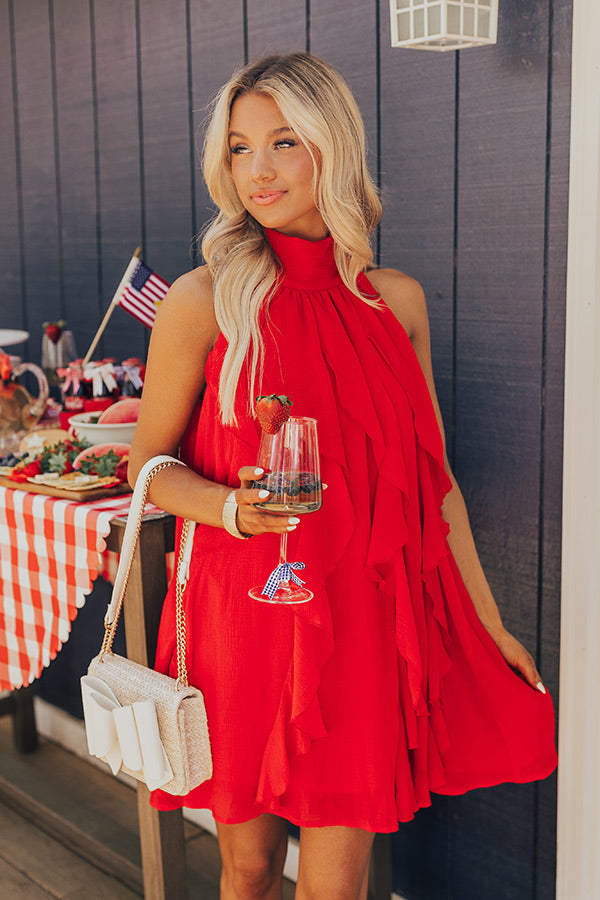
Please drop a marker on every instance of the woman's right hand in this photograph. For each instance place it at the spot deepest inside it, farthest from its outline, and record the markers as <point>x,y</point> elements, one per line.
<point>251,520</point>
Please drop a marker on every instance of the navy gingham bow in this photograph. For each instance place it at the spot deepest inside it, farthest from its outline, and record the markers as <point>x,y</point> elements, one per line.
<point>283,572</point>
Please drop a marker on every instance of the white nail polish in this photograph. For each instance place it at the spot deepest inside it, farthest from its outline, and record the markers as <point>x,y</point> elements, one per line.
<point>293,520</point>
<point>263,494</point>
<point>259,471</point>
<point>291,528</point>
<point>541,687</point>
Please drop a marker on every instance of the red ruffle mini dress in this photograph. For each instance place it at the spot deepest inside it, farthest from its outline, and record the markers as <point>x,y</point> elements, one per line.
<point>349,709</point>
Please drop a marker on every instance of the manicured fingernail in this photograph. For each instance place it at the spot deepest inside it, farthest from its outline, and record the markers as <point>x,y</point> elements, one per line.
<point>325,486</point>
<point>291,528</point>
<point>259,471</point>
<point>293,520</point>
<point>541,687</point>
<point>263,494</point>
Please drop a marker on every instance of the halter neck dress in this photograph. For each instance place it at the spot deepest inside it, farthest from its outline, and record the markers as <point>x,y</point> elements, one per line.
<point>352,708</point>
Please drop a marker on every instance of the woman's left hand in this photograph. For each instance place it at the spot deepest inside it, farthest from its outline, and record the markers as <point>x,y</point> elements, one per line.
<point>517,656</point>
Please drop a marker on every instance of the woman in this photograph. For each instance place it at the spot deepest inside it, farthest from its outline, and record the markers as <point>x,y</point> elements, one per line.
<point>398,678</point>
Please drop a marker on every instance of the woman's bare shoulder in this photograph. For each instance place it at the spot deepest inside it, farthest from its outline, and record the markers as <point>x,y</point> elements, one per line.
<point>404,296</point>
<point>189,302</point>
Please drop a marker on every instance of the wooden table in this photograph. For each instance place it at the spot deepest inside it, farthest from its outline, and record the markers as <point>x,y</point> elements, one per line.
<point>161,833</point>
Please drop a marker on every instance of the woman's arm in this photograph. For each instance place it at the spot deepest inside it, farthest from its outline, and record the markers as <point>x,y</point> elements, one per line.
<point>406,299</point>
<point>184,332</point>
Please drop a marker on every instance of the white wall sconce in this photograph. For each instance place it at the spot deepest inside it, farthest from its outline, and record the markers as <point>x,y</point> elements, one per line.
<point>443,24</point>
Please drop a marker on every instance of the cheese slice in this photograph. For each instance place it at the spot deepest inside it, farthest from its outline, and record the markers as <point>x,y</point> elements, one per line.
<point>73,481</point>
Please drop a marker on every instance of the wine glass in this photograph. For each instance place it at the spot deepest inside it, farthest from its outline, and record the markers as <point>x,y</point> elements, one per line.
<point>290,459</point>
<point>57,354</point>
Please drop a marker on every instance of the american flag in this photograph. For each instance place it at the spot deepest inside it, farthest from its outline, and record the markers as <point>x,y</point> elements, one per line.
<point>143,293</point>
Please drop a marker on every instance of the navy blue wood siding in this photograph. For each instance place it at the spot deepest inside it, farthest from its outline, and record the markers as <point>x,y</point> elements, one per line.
<point>103,104</point>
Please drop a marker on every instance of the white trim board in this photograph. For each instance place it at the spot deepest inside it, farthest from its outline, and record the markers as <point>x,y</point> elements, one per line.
<point>578,860</point>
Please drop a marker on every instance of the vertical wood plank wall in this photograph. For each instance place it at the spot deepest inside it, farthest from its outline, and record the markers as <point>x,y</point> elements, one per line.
<point>102,107</point>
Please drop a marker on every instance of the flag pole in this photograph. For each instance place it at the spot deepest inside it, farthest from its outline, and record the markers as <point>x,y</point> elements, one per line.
<point>113,303</point>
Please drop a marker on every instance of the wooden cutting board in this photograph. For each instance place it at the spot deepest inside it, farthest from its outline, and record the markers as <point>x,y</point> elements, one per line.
<point>82,496</point>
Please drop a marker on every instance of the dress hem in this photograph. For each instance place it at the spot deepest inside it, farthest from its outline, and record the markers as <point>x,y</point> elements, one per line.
<point>379,828</point>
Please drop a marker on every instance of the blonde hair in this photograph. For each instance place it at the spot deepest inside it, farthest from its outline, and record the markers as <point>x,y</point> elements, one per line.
<point>319,106</point>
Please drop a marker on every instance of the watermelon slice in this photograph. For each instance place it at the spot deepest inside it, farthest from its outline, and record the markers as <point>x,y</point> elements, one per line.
<point>99,450</point>
<point>126,410</point>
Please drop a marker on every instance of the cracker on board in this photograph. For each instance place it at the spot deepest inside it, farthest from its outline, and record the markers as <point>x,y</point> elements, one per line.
<point>73,481</point>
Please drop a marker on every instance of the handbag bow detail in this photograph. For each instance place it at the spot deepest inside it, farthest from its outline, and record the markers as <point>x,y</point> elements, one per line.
<point>124,735</point>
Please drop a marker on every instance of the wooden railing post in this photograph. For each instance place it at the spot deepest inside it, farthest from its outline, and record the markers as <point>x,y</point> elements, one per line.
<point>19,705</point>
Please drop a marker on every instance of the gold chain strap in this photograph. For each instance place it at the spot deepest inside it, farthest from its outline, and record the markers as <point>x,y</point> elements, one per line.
<point>182,678</point>
<point>110,630</point>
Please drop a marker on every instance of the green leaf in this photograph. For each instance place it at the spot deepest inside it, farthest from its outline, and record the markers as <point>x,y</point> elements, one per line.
<point>56,462</point>
<point>103,465</point>
<point>107,464</point>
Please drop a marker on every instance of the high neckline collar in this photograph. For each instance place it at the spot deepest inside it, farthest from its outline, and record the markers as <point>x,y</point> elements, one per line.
<point>305,263</point>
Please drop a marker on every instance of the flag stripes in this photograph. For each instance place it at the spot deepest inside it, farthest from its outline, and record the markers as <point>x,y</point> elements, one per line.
<point>143,294</point>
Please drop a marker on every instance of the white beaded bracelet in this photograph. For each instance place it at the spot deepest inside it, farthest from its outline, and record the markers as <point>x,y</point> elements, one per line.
<point>229,518</point>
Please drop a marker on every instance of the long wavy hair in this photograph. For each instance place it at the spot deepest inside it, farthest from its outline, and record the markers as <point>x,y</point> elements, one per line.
<point>319,106</point>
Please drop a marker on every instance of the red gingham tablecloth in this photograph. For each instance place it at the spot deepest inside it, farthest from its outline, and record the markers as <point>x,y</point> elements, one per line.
<point>50,554</point>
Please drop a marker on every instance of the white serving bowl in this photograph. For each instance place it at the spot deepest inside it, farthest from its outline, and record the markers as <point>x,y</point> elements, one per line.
<point>96,433</point>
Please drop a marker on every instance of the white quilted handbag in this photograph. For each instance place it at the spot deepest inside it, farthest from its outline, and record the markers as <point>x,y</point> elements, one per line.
<point>139,721</point>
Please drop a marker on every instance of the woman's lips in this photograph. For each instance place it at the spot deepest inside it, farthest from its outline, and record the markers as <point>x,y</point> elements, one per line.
<point>264,198</point>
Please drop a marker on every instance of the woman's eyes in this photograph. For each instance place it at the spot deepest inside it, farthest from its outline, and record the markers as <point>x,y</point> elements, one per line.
<point>281,145</point>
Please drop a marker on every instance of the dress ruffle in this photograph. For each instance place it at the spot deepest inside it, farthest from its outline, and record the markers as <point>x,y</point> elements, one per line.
<point>377,547</point>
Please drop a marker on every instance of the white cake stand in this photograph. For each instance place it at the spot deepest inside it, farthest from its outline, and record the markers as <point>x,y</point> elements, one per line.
<point>11,336</point>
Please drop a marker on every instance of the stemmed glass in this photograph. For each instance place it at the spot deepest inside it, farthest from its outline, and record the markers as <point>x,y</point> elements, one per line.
<point>290,459</point>
<point>57,355</point>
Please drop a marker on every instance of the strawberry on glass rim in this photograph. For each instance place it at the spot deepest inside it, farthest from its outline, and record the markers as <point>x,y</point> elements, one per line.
<point>272,410</point>
<point>54,330</point>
